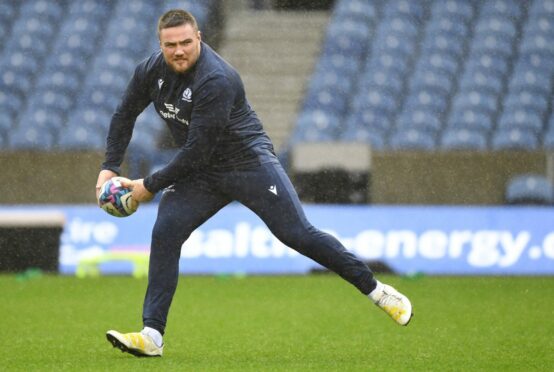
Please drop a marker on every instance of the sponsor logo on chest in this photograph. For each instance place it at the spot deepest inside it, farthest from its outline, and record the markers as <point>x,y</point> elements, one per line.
<point>171,113</point>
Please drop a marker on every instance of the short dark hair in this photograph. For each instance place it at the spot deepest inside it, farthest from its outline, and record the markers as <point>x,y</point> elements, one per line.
<point>176,17</point>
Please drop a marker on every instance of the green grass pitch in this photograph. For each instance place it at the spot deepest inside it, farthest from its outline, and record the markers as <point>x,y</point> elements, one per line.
<point>281,323</point>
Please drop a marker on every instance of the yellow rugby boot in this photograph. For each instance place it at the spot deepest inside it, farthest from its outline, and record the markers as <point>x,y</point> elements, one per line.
<point>394,303</point>
<point>135,343</point>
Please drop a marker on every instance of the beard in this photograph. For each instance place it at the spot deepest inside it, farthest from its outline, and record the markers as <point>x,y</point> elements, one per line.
<point>179,66</point>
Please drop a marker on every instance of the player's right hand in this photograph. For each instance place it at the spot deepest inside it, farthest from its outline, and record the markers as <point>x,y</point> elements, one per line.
<point>103,176</point>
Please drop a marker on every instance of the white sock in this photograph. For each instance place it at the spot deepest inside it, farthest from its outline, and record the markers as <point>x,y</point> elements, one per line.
<point>377,293</point>
<point>154,334</point>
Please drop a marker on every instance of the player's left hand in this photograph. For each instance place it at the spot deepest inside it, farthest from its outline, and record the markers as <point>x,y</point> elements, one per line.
<point>140,193</point>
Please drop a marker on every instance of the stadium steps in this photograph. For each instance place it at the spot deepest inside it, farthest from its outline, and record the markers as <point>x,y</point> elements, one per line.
<point>275,52</point>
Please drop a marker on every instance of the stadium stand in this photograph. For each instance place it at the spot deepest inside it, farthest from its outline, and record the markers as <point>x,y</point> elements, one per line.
<point>67,65</point>
<point>385,67</point>
<point>424,75</point>
<point>463,74</point>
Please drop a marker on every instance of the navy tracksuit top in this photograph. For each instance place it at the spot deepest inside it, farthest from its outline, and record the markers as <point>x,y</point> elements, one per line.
<point>206,112</point>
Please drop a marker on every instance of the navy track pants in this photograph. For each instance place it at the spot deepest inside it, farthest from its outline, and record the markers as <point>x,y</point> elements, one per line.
<point>192,201</point>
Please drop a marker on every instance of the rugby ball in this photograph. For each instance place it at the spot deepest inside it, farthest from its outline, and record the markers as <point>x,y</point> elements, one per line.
<point>117,200</point>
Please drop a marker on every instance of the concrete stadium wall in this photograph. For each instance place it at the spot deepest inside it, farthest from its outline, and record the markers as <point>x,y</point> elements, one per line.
<point>455,178</point>
<point>451,177</point>
<point>49,177</point>
<point>335,172</point>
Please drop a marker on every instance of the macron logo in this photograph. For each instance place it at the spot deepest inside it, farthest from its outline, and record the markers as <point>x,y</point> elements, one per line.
<point>160,83</point>
<point>273,189</point>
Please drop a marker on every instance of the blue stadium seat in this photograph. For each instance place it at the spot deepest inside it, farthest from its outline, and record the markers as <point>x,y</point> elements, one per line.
<point>48,11</point>
<point>497,26</point>
<point>463,139</point>
<point>541,7</point>
<point>14,83</point>
<point>8,11</point>
<point>20,63</point>
<point>355,9</point>
<point>328,99</point>
<point>103,99</point>
<point>91,9</point>
<point>455,28</point>
<point>127,35</point>
<point>77,42</point>
<point>319,121</point>
<point>441,62</point>
<point>338,63</point>
<point>200,9</point>
<point>403,26</point>
<point>520,118</point>
<point>349,38</point>
<point>527,100</point>
<point>44,117</point>
<point>510,9</point>
<point>540,25</point>
<point>535,61</point>
<point>10,104</point>
<point>480,80</point>
<point>533,189</point>
<point>93,118</point>
<point>444,44</point>
<point>32,46</point>
<point>82,138</point>
<point>411,139</point>
<point>470,119</point>
<point>404,8</point>
<point>68,62</point>
<point>377,101</point>
<point>425,78</point>
<point>492,44</point>
<point>311,134</point>
<point>420,119</point>
<point>386,80</point>
<point>31,138</point>
<point>338,82</point>
<point>514,139</point>
<point>35,26</point>
<point>476,101</point>
<point>489,63</point>
<point>51,99</point>
<point>64,82</point>
<point>357,134</point>
<point>141,10</point>
<point>530,80</point>
<point>537,43</point>
<point>110,80</point>
<point>386,61</point>
<point>397,45</point>
<point>368,119</point>
<point>454,10</point>
<point>428,100</point>
<point>115,61</point>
